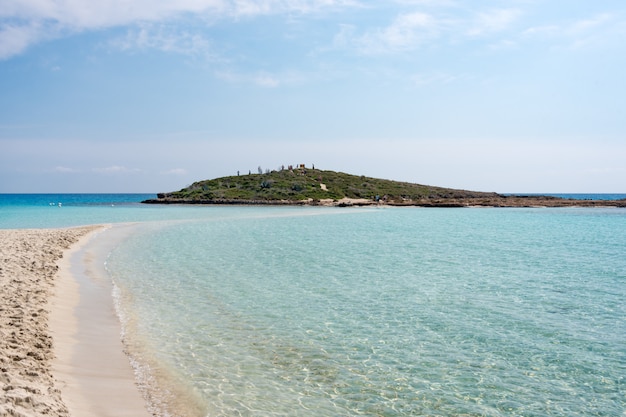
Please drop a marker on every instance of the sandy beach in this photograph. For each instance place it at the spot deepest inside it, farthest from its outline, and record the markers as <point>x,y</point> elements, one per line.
<point>60,349</point>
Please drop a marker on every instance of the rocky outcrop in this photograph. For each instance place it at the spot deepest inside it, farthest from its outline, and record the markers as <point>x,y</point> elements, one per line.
<point>331,188</point>
<point>457,201</point>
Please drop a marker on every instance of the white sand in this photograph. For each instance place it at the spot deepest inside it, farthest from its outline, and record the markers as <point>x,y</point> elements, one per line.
<point>27,276</point>
<point>91,375</point>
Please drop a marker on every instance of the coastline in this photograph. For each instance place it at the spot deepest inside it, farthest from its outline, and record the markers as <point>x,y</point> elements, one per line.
<point>27,276</point>
<point>60,349</point>
<point>513,201</point>
<point>92,369</point>
<point>303,186</point>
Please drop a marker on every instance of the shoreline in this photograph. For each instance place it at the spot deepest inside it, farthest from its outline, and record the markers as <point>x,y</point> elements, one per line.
<point>60,348</point>
<point>493,202</point>
<point>93,371</point>
<point>27,276</point>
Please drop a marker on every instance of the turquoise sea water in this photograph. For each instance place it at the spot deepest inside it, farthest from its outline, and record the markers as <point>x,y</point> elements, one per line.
<point>581,196</point>
<point>261,311</point>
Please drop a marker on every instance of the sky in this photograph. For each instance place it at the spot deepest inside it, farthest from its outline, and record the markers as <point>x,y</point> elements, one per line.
<point>513,96</point>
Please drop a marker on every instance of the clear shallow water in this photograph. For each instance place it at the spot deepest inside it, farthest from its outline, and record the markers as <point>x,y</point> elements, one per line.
<point>378,312</point>
<point>387,312</point>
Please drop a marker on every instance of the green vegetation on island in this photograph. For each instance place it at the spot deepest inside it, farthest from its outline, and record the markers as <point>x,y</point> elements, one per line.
<point>306,185</point>
<point>309,186</point>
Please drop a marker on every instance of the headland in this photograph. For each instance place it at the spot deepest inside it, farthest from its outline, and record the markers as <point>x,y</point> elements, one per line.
<point>309,186</point>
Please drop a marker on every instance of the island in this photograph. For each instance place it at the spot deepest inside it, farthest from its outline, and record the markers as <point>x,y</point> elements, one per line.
<point>301,185</point>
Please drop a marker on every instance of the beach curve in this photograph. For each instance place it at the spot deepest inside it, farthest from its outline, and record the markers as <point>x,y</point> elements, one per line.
<point>49,363</point>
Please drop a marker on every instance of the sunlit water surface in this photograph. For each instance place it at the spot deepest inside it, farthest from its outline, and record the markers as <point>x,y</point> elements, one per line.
<point>384,312</point>
<point>261,311</point>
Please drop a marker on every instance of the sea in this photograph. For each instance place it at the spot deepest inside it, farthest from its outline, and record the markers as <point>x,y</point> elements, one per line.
<point>320,311</point>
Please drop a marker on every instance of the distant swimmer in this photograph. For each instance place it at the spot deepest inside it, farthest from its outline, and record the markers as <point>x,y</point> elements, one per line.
<point>60,204</point>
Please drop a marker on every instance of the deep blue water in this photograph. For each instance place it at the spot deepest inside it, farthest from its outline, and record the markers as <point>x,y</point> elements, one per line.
<point>66,210</point>
<point>581,196</point>
<point>71,199</point>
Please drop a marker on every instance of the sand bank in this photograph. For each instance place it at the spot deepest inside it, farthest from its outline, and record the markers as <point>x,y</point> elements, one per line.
<point>52,307</point>
<point>27,275</point>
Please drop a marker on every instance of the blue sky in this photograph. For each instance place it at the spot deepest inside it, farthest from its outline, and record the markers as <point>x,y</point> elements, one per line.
<point>152,95</point>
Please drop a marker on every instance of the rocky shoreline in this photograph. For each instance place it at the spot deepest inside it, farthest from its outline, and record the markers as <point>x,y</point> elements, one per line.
<point>470,201</point>
<point>303,186</point>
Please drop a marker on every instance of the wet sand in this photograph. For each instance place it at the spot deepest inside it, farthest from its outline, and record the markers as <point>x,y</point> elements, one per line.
<point>60,347</point>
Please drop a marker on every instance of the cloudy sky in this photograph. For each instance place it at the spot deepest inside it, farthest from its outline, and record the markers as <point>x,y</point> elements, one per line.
<point>151,95</point>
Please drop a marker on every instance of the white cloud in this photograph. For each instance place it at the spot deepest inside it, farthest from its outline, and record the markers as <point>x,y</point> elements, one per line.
<point>264,80</point>
<point>65,170</point>
<point>175,171</point>
<point>493,21</point>
<point>406,29</point>
<point>14,39</point>
<point>541,31</point>
<point>573,28</point>
<point>265,7</point>
<point>503,44</point>
<point>344,37</point>
<point>597,30</point>
<point>105,13</point>
<point>116,169</point>
<point>591,23</point>
<point>435,78</point>
<point>439,3</point>
<point>499,29</point>
<point>601,29</point>
<point>167,39</point>
<point>409,31</point>
<point>406,32</point>
<point>27,22</point>
<point>260,79</point>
